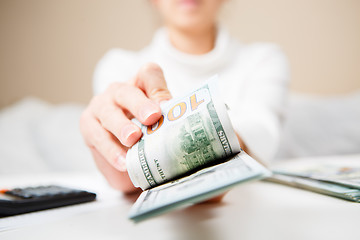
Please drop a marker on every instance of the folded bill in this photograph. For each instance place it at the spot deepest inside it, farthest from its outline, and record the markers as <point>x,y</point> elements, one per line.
<point>193,132</point>
<point>191,154</point>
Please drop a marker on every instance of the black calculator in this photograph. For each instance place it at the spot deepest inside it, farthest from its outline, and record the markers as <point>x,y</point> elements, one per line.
<point>23,200</point>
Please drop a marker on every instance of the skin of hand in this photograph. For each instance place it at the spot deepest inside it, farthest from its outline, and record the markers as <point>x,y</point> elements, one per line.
<point>106,126</point>
<point>108,131</point>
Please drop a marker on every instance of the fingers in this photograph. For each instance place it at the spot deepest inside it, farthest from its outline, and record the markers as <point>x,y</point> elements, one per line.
<point>106,125</point>
<point>135,101</point>
<point>151,80</point>
<point>216,199</point>
<point>103,141</point>
<point>113,119</point>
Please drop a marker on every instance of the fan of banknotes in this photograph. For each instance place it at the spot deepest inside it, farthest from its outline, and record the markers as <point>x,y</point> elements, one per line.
<point>190,155</point>
<point>337,177</point>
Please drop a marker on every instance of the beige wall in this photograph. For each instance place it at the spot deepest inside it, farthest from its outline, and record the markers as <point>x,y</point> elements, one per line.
<point>48,48</point>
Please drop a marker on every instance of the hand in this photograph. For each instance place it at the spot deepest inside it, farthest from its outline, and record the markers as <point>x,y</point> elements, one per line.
<point>106,126</point>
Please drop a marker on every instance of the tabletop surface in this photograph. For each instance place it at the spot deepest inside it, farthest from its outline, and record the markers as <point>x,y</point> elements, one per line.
<point>256,210</point>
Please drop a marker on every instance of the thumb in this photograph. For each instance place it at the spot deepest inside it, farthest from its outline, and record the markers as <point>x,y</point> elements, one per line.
<point>151,80</point>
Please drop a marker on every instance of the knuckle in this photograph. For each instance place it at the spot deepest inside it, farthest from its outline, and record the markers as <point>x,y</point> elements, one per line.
<point>160,94</point>
<point>86,134</point>
<point>97,138</point>
<point>106,121</point>
<point>114,86</point>
<point>113,158</point>
<point>151,68</point>
<point>95,101</point>
<point>102,107</point>
<point>122,92</point>
<point>83,122</point>
<point>91,146</point>
<point>116,90</point>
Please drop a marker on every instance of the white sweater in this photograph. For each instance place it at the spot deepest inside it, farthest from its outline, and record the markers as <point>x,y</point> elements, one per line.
<point>253,81</point>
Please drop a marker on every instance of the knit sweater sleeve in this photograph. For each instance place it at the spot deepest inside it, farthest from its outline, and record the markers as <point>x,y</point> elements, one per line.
<point>257,112</point>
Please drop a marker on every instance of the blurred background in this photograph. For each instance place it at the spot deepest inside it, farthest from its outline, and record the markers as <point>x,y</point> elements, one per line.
<point>49,49</point>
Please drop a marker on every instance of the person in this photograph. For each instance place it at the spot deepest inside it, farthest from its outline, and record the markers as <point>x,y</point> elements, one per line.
<point>190,48</point>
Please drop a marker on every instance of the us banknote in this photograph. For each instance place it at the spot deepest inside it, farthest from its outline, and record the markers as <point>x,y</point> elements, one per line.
<point>323,187</point>
<point>193,132</point>
<point>347,175</point>
<point>197,187</point>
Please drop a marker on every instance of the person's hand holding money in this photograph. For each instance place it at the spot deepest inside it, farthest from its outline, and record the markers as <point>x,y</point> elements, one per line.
<point>106,126</point>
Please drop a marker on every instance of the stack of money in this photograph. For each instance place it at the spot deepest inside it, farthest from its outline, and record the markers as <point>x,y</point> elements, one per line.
<point>190,155</point>
<point>336,179</point>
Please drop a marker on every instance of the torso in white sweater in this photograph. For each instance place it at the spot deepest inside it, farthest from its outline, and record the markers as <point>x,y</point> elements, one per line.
<point>253,81</point>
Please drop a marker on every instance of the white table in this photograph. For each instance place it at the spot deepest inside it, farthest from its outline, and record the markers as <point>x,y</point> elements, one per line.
<point>257,210</point>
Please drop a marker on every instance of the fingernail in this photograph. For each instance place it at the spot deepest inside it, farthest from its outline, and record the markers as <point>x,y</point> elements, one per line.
<point>148,110</point>
<point>127,131</point>
<point>121,163</point>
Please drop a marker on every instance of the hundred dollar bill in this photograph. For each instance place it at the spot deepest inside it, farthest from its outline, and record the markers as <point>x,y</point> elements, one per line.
<point>340,173</point>
<point>199,186</point>
<point>328,188</point>
<point>193,132</point>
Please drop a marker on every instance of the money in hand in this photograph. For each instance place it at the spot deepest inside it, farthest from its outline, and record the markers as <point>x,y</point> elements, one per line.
<point>193,132</point>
